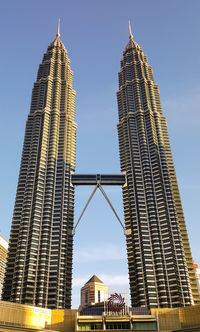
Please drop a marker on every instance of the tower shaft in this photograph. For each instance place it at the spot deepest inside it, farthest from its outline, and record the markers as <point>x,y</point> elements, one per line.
<point>39,268</point>
<point>159,258</point>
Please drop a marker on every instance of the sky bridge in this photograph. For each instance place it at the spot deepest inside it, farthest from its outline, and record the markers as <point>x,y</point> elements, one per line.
<point>94,179</point>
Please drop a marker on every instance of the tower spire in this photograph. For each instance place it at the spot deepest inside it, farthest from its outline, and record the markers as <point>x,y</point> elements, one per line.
<point>58,32</point>
<point>130,32</point>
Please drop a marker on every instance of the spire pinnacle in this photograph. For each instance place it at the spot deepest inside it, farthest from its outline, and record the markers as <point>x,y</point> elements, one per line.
<point>130,32</point>
<point>58,32</point>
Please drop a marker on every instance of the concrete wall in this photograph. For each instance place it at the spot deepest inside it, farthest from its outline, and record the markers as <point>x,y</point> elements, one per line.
<point>64,320</point>
<point>189,316</point>
<point>179,318</point>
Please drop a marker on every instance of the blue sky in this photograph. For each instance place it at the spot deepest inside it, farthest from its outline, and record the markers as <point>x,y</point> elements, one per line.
<point>95,33</point>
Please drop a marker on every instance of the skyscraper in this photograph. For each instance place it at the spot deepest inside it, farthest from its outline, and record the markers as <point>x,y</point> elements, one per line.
<point>39,269</point>
<point>159,258</point>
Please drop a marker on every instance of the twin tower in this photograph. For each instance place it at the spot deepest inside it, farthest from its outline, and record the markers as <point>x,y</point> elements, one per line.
<point>39,267</point>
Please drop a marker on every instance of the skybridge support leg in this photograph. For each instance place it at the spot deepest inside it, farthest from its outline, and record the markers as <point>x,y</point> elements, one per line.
<point>109,202</point>
<point>86,205</point>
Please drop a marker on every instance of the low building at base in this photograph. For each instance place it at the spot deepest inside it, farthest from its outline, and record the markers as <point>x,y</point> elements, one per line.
<point>94,291</point>
<point>19,317</point>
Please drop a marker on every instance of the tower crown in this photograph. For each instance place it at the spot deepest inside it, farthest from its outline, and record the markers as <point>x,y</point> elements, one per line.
<point>131,44</point>
<point>57,42</point>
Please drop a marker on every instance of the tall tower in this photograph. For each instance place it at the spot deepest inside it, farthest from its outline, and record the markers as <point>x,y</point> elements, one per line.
<point>39,269</point>
<point>159,258</point>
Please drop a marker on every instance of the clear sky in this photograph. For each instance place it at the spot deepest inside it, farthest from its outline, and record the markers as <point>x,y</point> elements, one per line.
<point>95,32</point>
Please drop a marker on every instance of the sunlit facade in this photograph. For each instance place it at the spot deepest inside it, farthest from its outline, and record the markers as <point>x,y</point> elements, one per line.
<point>160,264</point>
<point>39,269</point>
<point>197,271</point>
<point>3,258</point>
